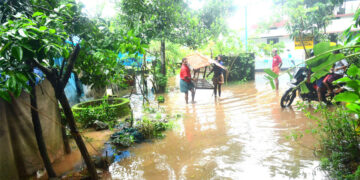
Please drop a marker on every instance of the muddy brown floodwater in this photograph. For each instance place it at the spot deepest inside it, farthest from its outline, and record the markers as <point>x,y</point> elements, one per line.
<point>241,135</point>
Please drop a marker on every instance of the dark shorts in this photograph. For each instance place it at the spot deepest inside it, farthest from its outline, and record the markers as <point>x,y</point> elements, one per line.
<point>185,86</point>
<point>319,82</point>
<point>218,80</point>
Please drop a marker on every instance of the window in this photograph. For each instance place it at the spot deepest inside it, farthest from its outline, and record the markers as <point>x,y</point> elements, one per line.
<point>273,40</point>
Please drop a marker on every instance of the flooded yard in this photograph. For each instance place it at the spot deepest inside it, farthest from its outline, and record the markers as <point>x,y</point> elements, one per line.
<point>241,135</point>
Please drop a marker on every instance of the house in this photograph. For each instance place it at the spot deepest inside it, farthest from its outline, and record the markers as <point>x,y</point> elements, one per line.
<point>343,18</point>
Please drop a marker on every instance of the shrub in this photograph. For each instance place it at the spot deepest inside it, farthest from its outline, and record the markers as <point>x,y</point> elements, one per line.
<point>161,99</point>
<point>153,128</point>
<point>107,110</point>
<point>338,141</point>
<point>241,67</point>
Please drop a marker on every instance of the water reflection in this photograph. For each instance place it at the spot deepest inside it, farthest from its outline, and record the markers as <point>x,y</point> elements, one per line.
<point>242,135</point>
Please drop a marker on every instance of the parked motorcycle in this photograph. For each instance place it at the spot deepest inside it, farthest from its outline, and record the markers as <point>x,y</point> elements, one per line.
<point>299,76</point>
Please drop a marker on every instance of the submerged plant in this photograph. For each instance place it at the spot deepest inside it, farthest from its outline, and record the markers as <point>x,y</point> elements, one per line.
<point>152,125</point>
<point>153,128</point>
<point>337,132</point>
<point>161,99</point>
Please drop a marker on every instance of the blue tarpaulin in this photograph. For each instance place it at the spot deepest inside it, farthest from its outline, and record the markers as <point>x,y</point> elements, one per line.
<point>131,61</point>
<point>74,88</point>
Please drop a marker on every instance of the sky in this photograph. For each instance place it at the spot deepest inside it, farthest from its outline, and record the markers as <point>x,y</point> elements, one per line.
<point>256,10</point>
<point>91,7</point>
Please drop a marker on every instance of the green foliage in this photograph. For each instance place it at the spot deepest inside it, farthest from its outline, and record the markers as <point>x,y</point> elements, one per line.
<point>309,18</point>
<point>270,75</point>
<point>100,67</point>
<point>174,55</point>
<point>266,49</point>
<point>352,38</point>
<point>161,99</point>
<point>351,97</point>
<point>152,128</point>
<point>24,39</point>
<point>338,140</point>
<point>159,79</point>
<point>37,34</point>
<point>241,67</point>
<point>229,43</point>
<point>174,20</point>
<point>103,112</point>
<point>338,130</point>
<point>338,136</point>
<point>322,62</point>
<point>153,124</point>
<point>126,139</point>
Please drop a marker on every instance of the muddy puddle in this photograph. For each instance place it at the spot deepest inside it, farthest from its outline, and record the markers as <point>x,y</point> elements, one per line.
<point>241,135</point>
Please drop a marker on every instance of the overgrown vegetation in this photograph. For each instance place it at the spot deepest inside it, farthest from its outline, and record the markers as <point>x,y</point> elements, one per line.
<point>152,125</point>
<point>338,140</point>
<point>241,67</point>
<point>34,33</point>
<point>338,128</point>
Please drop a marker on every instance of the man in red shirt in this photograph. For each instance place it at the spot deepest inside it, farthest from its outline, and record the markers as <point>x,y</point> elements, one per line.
<point>185,81</point>
<point>276,65</point>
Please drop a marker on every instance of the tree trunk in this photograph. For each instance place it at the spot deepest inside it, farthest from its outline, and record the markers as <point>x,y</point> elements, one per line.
<point>162,51</point>
<point>302,43</point>
<point>38,132</point>
<point>59,83</point>
<point>143,69</point>
<point>60,94</point>
<point>67,148</point>
<point>163,65</point>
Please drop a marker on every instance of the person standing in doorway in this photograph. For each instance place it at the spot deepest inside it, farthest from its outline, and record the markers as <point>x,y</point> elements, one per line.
<point>185,81</point>
<point>276,65</point>
<point>218,78</point>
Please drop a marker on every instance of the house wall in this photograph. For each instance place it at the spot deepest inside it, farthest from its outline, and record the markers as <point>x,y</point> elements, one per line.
<point>19,153</point>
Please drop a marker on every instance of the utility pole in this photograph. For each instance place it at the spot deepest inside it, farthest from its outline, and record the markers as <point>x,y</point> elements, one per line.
<point>246,30</point>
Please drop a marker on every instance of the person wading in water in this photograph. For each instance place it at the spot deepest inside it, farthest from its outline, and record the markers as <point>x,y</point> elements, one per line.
<point>218,78</point>
<point>185,81</point>
<point>276,65</point>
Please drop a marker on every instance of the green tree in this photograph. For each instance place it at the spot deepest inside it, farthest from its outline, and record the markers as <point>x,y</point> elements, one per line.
<point>266,49</point>
<point>228,44</point>
<point>309,18</point>
<point>173,21</point>
<point>37,34</point>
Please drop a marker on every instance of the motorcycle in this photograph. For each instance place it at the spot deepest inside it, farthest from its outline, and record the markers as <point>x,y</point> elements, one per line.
<point>299,76</point>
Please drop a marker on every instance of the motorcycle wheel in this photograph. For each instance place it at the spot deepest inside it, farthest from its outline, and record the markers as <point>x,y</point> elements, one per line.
<point>288,98</point>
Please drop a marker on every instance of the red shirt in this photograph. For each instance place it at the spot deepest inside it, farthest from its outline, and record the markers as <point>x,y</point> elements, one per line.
<point>276,61</point>
<point>185,72</point>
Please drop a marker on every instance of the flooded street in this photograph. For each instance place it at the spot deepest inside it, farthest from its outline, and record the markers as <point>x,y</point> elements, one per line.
<point>241,135</point>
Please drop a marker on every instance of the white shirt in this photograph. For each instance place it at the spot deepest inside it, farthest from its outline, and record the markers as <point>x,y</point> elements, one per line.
<point>339,64</point>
